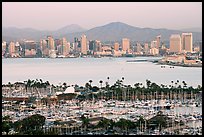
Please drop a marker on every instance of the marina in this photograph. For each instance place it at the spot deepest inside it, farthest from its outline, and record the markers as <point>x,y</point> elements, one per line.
<point>16,103</point>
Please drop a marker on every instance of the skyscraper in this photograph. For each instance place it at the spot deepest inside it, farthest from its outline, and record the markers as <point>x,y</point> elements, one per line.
<point>83,44</point>
<point>158,39</point>
<point>51,43</point>
<point>146,48</point>
<point>125,44</point>
<point>11,48</point>
<point>187,42</point>
<point>4,46</point>
<point>64,46</point>
<point>175,43</point>
<point>66,49</point>
<point>44,47</point>
<point>116,46</point>
<point>154,44</point>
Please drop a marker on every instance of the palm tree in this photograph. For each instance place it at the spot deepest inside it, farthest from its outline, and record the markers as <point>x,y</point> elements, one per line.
<point>101,82</point>
<point>108,79</point>
<point>90,81</point>
<point>148,82</point>
<point>123,78</point>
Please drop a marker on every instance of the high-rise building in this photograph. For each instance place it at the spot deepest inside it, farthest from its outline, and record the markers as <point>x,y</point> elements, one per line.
<point>154,51</point>
<point>4,46</point>
<point>66,49</point>
<point>77,45</point>
<point>187,42</point>
<point>44,47</point>
<point>83,44</point>
<point>11,48</point>
<point>116,46</point>
<point>158,39</point>
<point>138,47</point>
<point>30,48</point>
<point>154,44</point>
<point>125,44</point>
<point>51,43</point>
<point>92,45</point>
<point>64,46</point>
<point>175,43</point>
<point>146,48</point>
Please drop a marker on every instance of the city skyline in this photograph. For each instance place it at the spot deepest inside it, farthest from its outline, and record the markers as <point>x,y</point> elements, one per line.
<point>148,14</point>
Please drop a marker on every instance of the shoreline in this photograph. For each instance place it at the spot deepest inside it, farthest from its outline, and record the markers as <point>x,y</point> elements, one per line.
<point>181,65</point>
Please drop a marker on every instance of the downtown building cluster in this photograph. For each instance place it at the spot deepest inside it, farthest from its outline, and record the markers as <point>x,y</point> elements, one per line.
<point>51,47</point>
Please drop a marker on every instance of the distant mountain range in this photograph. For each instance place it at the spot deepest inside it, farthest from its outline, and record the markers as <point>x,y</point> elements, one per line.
<point>192,29</point>
<point>114,31</point>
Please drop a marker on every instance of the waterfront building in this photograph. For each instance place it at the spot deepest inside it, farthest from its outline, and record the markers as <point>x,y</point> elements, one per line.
<point>116,46</point>
<point>30,52</point>
<point>158,39</point>
<point>105,51</point>
<point>65,47</point>
<point>146,48</point>
<point>118,53</point>
<point>44,47</point>
<point>154,51</point>
<point>17,47</point>
<point>138,48</point>
<point>4,46</point>
<point>11,48</point>
<point>125,44</point>
<point>30,48</point>
<point>83,44</point>
<point>58,42</point>
<point>51,43</point>
<point>98,46</point>
<point>175,43</point>
<point>187,42</point>
<point>92,45</point>
<point>76,44</point>
<point>153,44</point>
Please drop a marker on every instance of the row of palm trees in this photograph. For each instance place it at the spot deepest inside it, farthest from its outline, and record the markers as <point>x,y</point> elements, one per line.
<point>119,91</point>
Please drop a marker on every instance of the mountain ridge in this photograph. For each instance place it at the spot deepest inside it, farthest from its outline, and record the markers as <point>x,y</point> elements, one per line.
<point>113,31</point>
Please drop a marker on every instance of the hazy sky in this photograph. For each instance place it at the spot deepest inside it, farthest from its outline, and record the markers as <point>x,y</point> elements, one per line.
<point>53,15</point>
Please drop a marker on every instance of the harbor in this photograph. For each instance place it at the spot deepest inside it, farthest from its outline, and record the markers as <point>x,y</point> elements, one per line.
<point>64,114</point>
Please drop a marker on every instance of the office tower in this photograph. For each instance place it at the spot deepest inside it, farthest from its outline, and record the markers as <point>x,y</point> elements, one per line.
<point>146,48</point>
<point>66,49</point>
<point>4,46</point>
<point>92,45</point>
<point>11,48</point>
<point>154,44</point>
<point>83,44</point>
<point>116,46</point>
<point>64,46</point>
<point>30,48</point>
<point>51,43</point>
<point>154,51</point>
<point>44,47</point>
<point>139,47</point>
<point>187,42</point>
<point>125,44</point>
<point>98,46</point>
<point>175,43</point>
<point>158,39</point>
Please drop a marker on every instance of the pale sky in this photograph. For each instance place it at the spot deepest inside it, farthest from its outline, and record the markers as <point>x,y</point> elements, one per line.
<point>54,15</point>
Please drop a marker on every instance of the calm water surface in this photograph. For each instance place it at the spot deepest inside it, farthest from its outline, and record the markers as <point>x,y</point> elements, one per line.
<point>81,70</point>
